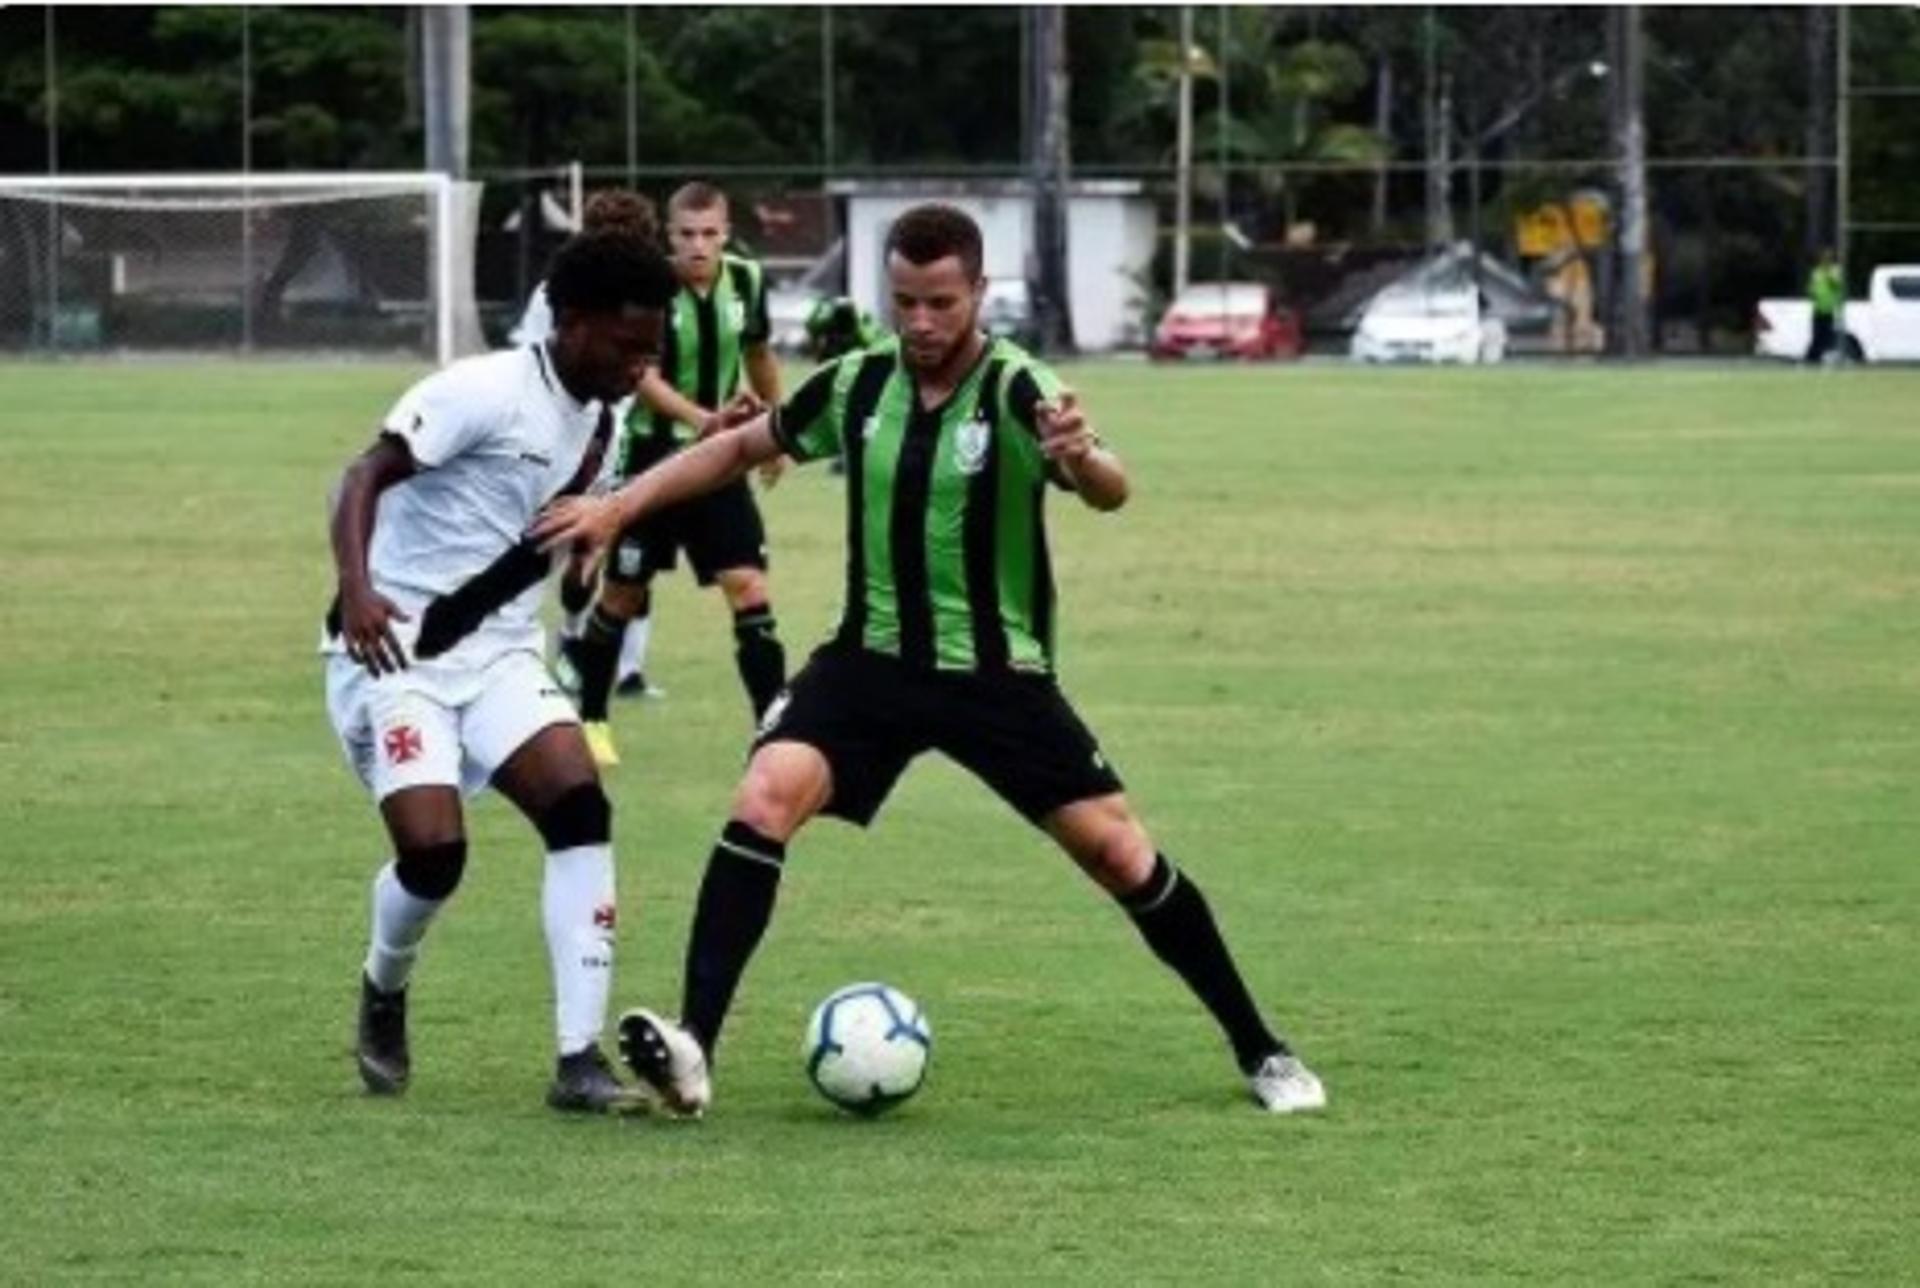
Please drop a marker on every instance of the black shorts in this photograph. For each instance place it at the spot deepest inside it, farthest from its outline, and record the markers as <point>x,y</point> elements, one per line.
<point>870,714</point>
<point>720,530</point>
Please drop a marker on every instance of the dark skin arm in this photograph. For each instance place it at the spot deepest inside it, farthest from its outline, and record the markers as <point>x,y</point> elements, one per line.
<point>366,616</point>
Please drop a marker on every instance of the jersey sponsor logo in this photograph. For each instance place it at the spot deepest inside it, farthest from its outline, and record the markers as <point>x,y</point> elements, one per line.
<point>402,744</point>
<point>537,459</point>
<point>970,445</point>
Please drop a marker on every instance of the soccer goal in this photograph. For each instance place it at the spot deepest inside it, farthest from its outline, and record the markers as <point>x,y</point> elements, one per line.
<point>285,263</point>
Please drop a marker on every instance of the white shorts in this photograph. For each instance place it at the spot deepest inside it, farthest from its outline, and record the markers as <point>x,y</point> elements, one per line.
<point>440,725</point>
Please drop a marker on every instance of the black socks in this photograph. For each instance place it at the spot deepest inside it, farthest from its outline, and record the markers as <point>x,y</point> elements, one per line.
<point>1174,919</point>
<point>762,662</point>
<point>735,905</point>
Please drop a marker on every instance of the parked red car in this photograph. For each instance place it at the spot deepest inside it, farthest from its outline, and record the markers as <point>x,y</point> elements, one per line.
<point>1227,320</point>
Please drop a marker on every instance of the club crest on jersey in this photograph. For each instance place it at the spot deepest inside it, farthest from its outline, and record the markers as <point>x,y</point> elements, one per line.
<point>970,445</point>
<point>869,427</point>
<point>736,315</point>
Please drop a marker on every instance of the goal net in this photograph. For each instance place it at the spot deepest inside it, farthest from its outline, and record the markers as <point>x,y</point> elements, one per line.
<point>348,263</point>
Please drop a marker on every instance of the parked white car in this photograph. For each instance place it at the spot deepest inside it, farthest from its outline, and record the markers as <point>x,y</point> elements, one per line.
<point>1884,327</point>
<point>1413,323</point>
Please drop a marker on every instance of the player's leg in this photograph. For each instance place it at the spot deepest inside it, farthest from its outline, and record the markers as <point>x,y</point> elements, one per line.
<point>404,746</point>
<point>625,594</point>
<point>727,546</point>
<point>785,784</point>
<point>535,757</point>
<point>827,746</point>
<point>630,676</point>
<point>1106,839</point>
<point>757,650</point>
<point>1023,738</point>
<point>428,836</point>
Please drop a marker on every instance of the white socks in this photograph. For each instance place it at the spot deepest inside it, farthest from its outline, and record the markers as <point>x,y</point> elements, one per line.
<point>577,908</point>
<point>399,920</point>
<point>633,648</point>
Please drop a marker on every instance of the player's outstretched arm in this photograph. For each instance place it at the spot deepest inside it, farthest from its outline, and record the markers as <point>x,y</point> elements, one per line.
<point>588,525</point>
<point>1071,443</point>
<point>366,616</point>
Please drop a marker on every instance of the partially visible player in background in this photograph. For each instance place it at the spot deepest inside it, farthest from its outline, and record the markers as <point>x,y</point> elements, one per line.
<point>435,683</point>
<point>615,210</point>
<point>836,326</point>
<point>717,332</point>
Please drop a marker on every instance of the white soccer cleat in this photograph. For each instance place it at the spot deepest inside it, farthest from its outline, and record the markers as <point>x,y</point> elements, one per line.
<point>1282,1085</point>
<point>667,1058</point>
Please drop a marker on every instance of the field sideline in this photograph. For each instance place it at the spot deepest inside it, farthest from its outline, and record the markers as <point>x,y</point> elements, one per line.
<point>1546,740</point>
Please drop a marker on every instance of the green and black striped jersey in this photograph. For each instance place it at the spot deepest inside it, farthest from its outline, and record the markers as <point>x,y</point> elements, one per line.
<point>706,338</point>
<point>946,539</point>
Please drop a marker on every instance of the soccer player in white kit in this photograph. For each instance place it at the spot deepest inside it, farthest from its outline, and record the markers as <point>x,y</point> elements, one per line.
<point>435,678</point>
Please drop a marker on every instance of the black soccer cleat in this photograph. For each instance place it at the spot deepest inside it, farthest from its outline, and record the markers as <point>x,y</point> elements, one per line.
<point>583,1083</point>
<point>385,1065</point>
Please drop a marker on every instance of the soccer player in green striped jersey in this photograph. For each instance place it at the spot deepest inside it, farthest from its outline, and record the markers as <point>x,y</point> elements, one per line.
<point>946,643</point>
<point>717,334</point>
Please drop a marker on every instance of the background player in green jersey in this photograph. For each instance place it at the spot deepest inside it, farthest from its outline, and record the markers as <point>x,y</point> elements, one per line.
<point>950,440</point>
<point>717,333</point>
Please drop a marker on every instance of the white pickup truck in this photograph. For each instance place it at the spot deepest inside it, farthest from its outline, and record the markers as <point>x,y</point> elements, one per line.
<point>1884,327</point>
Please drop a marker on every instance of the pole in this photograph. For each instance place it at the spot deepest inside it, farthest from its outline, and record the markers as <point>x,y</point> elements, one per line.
<point>1051,163</point>
<point>1842,137</point>
<point>1226,173</point>
<point>445,45</point>
<point>1183,148</point>
<point>1630,141</point>
<point>53,168</point>
<point>826,90</point>
<point>246,172</point>
<point>633,104</point>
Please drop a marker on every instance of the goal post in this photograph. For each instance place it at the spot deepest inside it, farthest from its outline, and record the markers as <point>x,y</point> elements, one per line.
<point>363,263</point>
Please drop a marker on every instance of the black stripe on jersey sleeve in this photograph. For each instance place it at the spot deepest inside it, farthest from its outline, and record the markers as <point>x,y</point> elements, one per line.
<point>1023,396</point>
<point>802,411</point>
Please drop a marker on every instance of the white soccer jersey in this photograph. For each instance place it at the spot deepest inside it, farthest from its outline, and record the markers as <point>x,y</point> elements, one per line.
<point>495,438</point>
<point>536,327</point>
<point>536,324</point>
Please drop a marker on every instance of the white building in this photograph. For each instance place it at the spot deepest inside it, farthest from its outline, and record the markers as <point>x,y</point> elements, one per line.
<point>1111,228</point>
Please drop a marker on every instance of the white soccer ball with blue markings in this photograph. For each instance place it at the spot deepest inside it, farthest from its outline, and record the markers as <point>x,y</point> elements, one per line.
<point>867,1048</point>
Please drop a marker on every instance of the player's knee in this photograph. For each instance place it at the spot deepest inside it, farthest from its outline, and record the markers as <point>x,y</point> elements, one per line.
<point>768,806</point>
<point>624,600</point>
<point>744,588</point>
<point>431,871</point>
<point>1112,847</point>
<point>581,815</point>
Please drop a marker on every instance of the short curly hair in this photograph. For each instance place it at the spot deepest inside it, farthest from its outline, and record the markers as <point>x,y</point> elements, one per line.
<point>930,232</point>
<point>602,272</point>
<point>621,210</point>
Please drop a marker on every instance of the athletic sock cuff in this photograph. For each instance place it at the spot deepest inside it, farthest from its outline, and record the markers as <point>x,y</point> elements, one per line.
<point>602,625</point>
<point>742,841</point>
<point>754,618</point>
<point>1155,890</point>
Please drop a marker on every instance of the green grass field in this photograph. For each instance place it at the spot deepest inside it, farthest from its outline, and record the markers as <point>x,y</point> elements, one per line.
<point>1547,742</point>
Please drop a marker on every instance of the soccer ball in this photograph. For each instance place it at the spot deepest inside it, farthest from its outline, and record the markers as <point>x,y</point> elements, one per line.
<point>867,1048</point>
